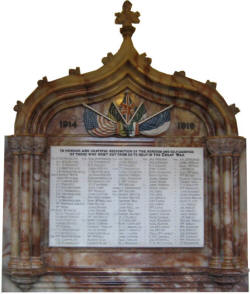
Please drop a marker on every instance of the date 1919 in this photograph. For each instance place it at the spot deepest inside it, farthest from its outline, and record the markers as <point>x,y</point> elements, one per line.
<point>186,126</point>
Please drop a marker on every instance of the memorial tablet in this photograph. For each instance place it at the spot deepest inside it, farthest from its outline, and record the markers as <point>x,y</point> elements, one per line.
<point>125,179</point>
<point>126,197</point>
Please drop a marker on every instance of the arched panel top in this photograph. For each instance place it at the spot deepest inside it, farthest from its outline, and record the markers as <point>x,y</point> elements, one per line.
<point>127,69</point>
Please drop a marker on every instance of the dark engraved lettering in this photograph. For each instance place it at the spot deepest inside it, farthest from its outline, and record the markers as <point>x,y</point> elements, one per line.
<point>186,126</point>
<point>67,124</point>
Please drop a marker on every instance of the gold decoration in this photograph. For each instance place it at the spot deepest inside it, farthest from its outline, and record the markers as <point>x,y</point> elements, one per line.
<point>75,72</point>
<point>180,73</point>
<point>146,60</point>
<point>108,58</point>
<point>42,82</point>
<point>18,106</point>
<point>234,109</point>
<point>126,18</point>
<point>211,84</point>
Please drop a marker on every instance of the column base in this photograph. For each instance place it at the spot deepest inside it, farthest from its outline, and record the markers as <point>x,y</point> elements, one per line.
<point>24,263</point>
<point>228,263</point>
<point>14,262</point>
<point>24,283</point>
<point>237,262</point>
<point>215,262</point>
<point>36,262</point>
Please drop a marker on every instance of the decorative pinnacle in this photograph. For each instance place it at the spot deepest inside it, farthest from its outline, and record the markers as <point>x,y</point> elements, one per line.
<point>126,18</point>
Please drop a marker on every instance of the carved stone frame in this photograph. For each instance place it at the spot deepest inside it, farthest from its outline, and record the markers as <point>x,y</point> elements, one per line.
<point>27,152</point>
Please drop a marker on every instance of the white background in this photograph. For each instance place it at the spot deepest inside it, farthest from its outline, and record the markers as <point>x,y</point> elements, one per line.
<point>209,39</point>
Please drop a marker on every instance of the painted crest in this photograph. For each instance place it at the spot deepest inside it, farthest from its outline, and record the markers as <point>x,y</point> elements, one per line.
<point>126,120</point>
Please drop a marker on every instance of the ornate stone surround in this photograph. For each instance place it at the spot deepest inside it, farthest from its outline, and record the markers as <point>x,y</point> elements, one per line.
<point>28,261</point>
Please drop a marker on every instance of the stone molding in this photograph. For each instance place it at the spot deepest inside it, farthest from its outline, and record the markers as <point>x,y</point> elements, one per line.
<point>225,146</point>
<point>14,144</point>
<point>27,144</point>
<point>39,145</point>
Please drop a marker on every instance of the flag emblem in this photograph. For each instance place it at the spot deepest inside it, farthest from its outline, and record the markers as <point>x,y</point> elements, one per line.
<point>126,120</point>
<point>127,108</point>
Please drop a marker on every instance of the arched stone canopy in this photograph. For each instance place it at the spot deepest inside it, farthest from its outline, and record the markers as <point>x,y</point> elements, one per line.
<point>127,69</point>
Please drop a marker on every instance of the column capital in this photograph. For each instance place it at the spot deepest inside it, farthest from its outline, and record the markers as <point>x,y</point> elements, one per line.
<point>39,145</point>
<point>26,144</point>
<point>14,144</point>
<point>225,145</point>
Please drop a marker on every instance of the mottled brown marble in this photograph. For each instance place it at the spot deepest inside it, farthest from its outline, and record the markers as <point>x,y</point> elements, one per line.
<point>15,150</point>
<point>236,210</point>
<point>39,147</point>
<point>25,199</point>
<point>215,260</point>
<point>228,148</point>
<point>227,213</point>
<point>129,269</point>
<point>30,264</point>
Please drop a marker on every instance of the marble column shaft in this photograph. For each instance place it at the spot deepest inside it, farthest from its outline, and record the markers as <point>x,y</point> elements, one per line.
<point>15,150</point>
<point>227,212</point>
<point>236,203</point>
<point>38,150</point>
<point>215,260</point>
<point>25,213</point>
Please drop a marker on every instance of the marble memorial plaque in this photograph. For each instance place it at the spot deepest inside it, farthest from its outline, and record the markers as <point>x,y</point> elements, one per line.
<point>125,214</point>
<point>126,197</point>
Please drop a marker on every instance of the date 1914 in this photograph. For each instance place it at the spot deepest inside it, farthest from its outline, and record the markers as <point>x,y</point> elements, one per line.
<point>67,124</point>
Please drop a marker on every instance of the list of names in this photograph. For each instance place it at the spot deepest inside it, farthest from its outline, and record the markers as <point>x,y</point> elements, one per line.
<point>126,197</point>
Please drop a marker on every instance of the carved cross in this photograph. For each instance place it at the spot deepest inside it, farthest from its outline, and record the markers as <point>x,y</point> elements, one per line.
<point>126,18</point>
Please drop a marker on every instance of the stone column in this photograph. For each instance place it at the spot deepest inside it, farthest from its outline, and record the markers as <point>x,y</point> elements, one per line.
<point>227,212</point>
<point>38,150</point>
<point>215,261</point>
<point>236,202</point>
<point>227,147</point>
<point>25,207</point>
<point>14,145</point>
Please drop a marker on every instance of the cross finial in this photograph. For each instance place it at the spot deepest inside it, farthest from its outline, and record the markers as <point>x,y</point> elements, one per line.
<point>126,18</point>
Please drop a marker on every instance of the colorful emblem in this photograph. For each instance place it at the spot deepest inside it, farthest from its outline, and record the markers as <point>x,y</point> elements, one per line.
<point>126,120</point>
<point>127,108</point>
